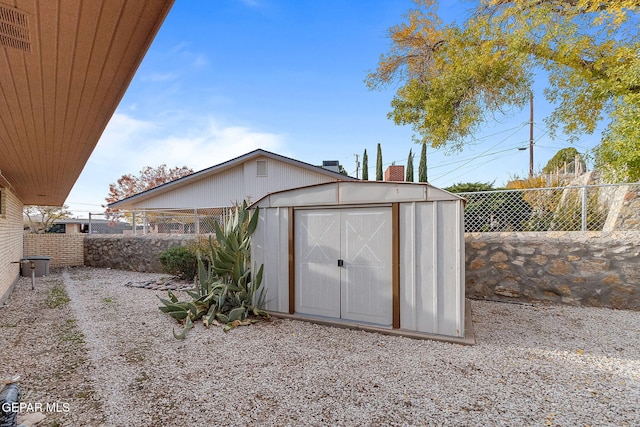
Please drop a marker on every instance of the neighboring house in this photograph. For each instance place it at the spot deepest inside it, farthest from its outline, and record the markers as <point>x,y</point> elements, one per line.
<point>85,225</point>
<point>248,177</point>
<point>65,67</point>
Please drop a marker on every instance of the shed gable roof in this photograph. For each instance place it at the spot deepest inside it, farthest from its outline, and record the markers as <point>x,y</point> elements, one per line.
<point>355,193</point>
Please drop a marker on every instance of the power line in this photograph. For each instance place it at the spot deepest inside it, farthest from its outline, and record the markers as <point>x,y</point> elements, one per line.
<point>441,165</point>
<point>486,151</point>
<point>483,164</point>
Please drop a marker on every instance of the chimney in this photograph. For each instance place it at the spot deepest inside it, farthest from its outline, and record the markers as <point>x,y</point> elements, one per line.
<point>394,173</point>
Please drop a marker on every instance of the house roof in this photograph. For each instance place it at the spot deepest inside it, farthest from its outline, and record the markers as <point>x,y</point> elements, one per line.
<point>65,66</point>
<point>38,219</point>
<point>213,170</point>
<point>355,193</point>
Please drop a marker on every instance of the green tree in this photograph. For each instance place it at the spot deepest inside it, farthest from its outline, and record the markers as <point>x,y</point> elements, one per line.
<point>453,78</point>
<point>149,177</point>
<point>41,218</point>
<point>128,185</point>
<point>422,167</point>
<point>566,159</point>
<point>365,166</point>
<point>470,187</point>
<point>618,156</point>
<point>409,173</point>
<point>379,164</point>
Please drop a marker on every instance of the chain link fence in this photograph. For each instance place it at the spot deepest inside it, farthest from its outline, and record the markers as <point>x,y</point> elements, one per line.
<point>173,221</point>
<point>570,208</point>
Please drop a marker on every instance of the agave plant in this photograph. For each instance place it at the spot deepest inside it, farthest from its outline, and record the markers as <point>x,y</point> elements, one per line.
<point>225,292</point>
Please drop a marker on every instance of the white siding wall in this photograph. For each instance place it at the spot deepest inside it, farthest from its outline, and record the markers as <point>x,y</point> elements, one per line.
<point>220,190</point>
<point>432,267</point>
<point>235,185</point>
<point>270,246</point>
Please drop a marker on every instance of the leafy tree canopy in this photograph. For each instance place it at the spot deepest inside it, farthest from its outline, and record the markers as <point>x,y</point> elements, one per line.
<point>453,78</point>
<point>618,156</point>
<point>41,218</point>
<point>470,187</point>
<point>129,185</point>
<point>566,159</point>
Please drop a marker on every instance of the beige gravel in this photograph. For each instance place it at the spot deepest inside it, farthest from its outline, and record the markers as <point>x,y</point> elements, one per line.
<point>110,355</point>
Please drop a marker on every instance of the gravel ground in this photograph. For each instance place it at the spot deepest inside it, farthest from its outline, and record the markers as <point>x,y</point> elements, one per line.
<point>109,354</point>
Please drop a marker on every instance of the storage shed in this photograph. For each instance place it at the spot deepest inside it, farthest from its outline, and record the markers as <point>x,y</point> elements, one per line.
<point>377,255</point>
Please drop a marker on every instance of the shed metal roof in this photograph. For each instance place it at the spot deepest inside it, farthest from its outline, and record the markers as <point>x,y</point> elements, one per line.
<point>355,193</point>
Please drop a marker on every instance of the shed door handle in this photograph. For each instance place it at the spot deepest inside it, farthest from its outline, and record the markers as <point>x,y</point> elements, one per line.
<point>340,263</point>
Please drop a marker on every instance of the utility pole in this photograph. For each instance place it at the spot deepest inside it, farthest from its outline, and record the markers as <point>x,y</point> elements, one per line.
<point>357,167</point>
<point>531,134</point>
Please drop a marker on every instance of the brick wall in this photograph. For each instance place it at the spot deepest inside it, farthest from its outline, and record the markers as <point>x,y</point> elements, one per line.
<point>10,240</point>
<point>394,173</point>
<point>65,250</point>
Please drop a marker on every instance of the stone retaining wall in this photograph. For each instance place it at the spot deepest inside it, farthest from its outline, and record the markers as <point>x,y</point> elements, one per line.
<point>133,253</point>
<point>577,268</point>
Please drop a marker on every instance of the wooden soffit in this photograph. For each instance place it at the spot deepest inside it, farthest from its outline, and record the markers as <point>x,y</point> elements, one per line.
<point>64,67</point>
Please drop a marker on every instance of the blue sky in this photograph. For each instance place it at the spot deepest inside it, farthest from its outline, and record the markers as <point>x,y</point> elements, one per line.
<point>225,77</point>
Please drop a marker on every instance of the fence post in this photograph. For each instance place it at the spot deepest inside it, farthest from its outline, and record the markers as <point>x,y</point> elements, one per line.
<point>145,220</point>
<point>90,223</point>
<point>196,222</point>
<point>584,208</point>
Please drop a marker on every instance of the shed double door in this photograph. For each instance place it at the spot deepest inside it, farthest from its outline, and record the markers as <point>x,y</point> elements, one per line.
<point>343,264</point>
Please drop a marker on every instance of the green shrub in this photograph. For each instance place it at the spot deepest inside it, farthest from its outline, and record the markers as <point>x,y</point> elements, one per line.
<point>180,261</point>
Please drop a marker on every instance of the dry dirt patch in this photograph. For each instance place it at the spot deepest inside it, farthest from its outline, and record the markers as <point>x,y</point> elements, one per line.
<point>110,353</point>
<point>42,343</point>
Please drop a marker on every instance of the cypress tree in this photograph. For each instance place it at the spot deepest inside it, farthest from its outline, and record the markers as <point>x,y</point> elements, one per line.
<point>422,168</point>
<point>365,166</point>
<point>379,164</point>
<point>409,174</point>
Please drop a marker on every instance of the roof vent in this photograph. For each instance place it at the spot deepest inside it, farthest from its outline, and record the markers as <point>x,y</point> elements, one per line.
<point>332,165</point>
<point>14,29</point>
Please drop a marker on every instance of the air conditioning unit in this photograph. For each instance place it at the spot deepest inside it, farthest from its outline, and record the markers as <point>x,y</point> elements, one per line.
<point>332,165</point>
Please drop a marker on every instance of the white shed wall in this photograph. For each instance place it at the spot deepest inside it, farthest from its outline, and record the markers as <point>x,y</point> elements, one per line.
<point>241,182</point>
<point>270,246</point>
<point>431,246</point>
<point>432,267</point>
